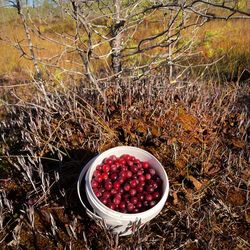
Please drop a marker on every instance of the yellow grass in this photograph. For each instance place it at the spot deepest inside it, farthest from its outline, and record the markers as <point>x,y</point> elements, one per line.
<point>218,38</point>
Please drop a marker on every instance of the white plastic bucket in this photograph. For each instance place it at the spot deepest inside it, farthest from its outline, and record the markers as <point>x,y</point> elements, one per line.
<point>121,221</point>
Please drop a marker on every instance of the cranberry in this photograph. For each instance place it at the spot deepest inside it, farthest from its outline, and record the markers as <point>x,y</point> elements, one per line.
<point>108,185</point>
<point>153,184</point>
<point>122,161</point>
<point>121,180</point>
<point>108,161</point>
<point>149,197</point>
<point>98,193</point>
<point>111,206</point>
<point>134,200</point>
<point>122,205</point>
<point>113,157</point>
<point>99,167</point>
<point>98,178</point>
<point>141,178</point>
<point>129,174</point>
<point>104,200</point>
<point>104,176</point>
<point>133,183</point>
<point>105,168</point>
<point>96,173</point>
<point>137,194</point>
<point>156,195</point>
<point>139,189</point>
<point>139,172</point>
<point>136,210</point>
<point>150,189</point>
<point>123,174</point>
<point>113,177</point>
<point>130,163</point>
<point>152,203</point>
<point>152,171</point>
<point>116,185</point>
<point>132,192</point>
<point>113,168</point>
<point>106,195</point>
<point>134,169</point>
<point>117,200</point>
<point>113,191</point>
<point>94,184</point>
<point>127,187</point>
<point>140,197</point>
<point>130,207</point>
<point>139,204</point>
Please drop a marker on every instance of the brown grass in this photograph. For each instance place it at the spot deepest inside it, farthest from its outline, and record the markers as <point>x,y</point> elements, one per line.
<point>229,40</point>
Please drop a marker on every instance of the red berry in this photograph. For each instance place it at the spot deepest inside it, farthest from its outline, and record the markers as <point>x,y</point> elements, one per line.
<point>156,195</point>
<point>139,204</point>
<point>141,178</point>
<point>104,176</point>
<point>152,171</point>
<point>132,192</point>
<point>122,205</point>
<point>152,203</point>
<point>140,197</point>
<point>113,191</point>
<point>150,189</point>
<point>134,200</point>
<point>133,183</point>
<point>105,168</point>
<point>149,197</point>
<point>130,163</point>
<point>139,189</point>
<point>113,168</point>
<point>127,187</point>
<point>123,174</point>
<point>108,185</point>
<point>116,185</point>
<point>134,169</point>
<point>98,178</point>
<point>96,173</point>
<point>104,200</point>
<point>136,210</point>
<point>130,207</point>
<point>129,174</point>
<point>94,184</point>
<point>113,157</point>
<point>106,195</point>
<point>145,165</point>
<point>113,177</point>
<point>98,194</point>
<point>108,161</point>
<point>111,205</point>
<point>139,172</point>
<point>117,200</point>
<point>122,161</point>
<point>147,176</point>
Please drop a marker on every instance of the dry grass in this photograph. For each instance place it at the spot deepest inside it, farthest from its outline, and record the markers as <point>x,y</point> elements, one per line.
<point>216,39</point>
<point>199,132</point>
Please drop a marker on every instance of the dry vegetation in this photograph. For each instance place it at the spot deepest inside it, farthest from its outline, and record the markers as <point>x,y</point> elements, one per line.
<point>198,128</point>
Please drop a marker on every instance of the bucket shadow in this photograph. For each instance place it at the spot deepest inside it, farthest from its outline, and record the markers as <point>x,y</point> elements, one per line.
<point>64,192</point>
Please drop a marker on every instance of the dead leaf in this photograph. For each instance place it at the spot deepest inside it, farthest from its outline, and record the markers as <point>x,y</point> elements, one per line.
<point>155,131</point>
<point>196,183</point>
<point>238,143</point>
<point>180,163</point>
<point>210,169</point>
<point>176,200</point>
<point>188,122</point>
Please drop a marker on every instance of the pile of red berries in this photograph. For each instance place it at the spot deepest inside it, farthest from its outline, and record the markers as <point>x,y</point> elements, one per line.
<point>126,184</point>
